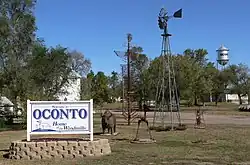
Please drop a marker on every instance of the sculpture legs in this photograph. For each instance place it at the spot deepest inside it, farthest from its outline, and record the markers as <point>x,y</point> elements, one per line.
<point>137,132</point>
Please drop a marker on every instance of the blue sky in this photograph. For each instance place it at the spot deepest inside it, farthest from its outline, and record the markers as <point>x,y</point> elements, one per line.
<point>98,27</point>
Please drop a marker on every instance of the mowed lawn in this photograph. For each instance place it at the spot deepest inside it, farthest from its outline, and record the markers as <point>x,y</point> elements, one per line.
<point>217,144</point>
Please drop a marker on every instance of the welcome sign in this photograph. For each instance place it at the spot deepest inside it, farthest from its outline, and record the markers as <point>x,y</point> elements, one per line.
<point>59,117</point>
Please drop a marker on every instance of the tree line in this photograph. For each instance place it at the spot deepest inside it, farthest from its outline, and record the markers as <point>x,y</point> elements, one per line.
<point>28,68</point>
<point>31,70</point>
<point>198,79</point>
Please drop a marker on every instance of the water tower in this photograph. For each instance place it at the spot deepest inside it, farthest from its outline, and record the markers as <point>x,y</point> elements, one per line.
<point>222,60</point>
<point>222,56</point>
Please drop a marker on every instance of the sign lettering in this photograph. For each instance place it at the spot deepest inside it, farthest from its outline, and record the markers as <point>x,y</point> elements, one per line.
<point>59,117</point>
<point>59,113</point>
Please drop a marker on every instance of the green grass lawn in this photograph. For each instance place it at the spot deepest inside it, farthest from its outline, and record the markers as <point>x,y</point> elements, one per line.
<point>217,144</point>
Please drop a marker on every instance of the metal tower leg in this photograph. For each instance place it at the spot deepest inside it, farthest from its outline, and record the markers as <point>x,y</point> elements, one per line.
<point>167,93</point>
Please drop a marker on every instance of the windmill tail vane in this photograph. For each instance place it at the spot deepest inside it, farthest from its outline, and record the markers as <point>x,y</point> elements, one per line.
<point>120,54</point>
<point>178,14</point>
<point>123,55</point>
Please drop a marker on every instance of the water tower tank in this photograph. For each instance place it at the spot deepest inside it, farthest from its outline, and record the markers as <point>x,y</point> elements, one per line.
<point>222,56</point>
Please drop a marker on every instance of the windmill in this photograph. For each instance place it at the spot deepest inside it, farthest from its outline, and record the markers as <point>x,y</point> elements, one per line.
<point>167,99</point>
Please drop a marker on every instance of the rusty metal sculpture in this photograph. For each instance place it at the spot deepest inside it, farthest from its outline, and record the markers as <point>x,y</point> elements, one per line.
<point>199,119</point>
<point>144,119</point>
<point>108,120</point>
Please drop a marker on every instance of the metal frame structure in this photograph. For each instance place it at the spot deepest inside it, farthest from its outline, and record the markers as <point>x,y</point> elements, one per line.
<point>130,114</point>
<point>123,67</point>
<point>199,119</point>
<point>167,93</point>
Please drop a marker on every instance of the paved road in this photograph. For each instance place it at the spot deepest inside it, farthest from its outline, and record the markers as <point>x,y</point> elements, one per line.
<point>189,118</point>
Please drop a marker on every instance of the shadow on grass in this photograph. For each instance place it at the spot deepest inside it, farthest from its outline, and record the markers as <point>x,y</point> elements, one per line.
<point>13,127</point>
<point>121,139</point>
<point>126,124</point>
<point>97,133</point>
<point>173,143</point>
<point>168,128</point>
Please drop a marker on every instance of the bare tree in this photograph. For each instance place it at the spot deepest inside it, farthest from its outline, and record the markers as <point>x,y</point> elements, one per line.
<point>79,63</point>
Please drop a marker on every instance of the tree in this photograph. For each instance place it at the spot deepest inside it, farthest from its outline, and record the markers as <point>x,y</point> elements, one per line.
<point>17,27</point>
<point>219,83</point>
<point>49,71</point>
<point>192,75</point>
<point>238,76</point>
<point>248,90</point>
<point>79,63</point>
<point>114,85</point>
<point>155,67</point>
<point>87,86</point>
<point>99,88</point>
<point>139,66</point>
<point>200,80</point>
<point>85,89</point>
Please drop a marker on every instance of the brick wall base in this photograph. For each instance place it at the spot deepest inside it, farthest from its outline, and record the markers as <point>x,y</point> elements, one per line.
<point>58,149</point>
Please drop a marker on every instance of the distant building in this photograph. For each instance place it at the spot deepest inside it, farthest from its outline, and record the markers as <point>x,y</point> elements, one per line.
<point>234,98</point>
<point>7,107</point>
<point>72,88</point>
<point>6,104</point>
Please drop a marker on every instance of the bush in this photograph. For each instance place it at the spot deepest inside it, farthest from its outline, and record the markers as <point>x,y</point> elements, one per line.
<point>2,123</point>
<point>9,120</point>
<point>7,124</point>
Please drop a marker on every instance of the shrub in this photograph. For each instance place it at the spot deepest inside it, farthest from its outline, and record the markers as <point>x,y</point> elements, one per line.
<point>2,123</point>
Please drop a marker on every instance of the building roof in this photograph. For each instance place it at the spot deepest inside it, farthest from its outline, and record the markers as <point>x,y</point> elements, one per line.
<point>5,101</point>
<point>222,47</point>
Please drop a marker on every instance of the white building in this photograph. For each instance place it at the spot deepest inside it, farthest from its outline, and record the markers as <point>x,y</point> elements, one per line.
<point>233,98</point>
<point>73,88</point>
<point>4,101</point>
<point>7,107</point>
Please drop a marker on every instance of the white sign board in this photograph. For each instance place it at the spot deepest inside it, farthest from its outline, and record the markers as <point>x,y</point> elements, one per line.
<point>59,117</point>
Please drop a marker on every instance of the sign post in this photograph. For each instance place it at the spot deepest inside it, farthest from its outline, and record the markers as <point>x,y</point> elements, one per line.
<point>59,117</point>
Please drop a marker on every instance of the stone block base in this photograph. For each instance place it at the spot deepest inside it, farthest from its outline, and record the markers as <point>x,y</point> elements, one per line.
<point>58,149</point>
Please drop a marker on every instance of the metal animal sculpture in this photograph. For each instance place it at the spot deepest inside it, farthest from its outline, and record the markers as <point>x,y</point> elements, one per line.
<point>199,120</point>
<point>143,119</point>
<point>108,122</point>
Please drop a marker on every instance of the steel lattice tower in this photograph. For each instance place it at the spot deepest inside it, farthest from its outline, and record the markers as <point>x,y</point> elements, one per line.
<point>130,113</point>
<point>167,99</point>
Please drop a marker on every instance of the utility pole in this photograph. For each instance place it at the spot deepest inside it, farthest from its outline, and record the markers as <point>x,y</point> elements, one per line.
<point>123,88</point>
<point>130,114</point>
<point>129,38</point>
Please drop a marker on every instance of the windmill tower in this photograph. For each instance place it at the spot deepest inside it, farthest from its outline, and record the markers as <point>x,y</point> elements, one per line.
<point>167,99</point>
